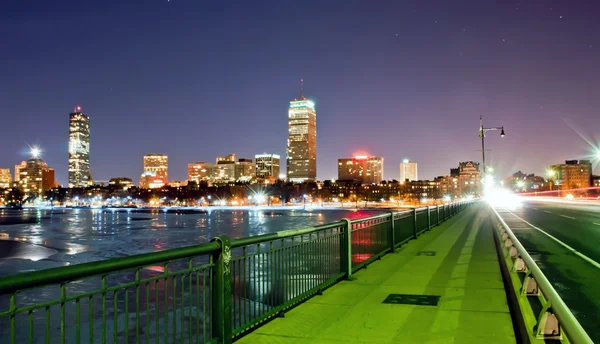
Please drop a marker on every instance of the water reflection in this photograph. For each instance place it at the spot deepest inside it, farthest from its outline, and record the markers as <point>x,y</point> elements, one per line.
<point>82,235</point>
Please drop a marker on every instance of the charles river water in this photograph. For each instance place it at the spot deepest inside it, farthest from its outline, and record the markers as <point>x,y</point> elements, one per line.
<point>37,239</point>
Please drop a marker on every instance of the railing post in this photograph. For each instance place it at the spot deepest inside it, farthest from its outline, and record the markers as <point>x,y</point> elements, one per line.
<point>392,233</point>
<point>428,218</point>
<point>438,214</point>
<point>346,249</point>
<point>415,222</point>
<point>221,291</point>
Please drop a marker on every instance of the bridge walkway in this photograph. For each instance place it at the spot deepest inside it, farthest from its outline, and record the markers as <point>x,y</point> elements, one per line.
<point>456,261</point>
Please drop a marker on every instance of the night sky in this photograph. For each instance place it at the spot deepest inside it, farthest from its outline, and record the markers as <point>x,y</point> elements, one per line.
<point>399,79</point>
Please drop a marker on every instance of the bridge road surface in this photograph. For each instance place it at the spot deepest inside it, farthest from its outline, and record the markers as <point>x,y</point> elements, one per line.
<point>574,275</point>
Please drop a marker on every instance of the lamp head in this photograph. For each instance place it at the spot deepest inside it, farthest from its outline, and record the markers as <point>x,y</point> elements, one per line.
<point>502,133</point>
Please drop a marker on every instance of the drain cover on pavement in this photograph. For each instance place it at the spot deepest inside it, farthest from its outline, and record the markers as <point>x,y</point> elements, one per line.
<point>426,253</point>
<point>408,299</point>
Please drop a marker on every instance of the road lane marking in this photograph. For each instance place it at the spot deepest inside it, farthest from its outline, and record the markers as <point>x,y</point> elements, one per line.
<point>581,255</point>
<point>546,211</point>
<point>568,217</point>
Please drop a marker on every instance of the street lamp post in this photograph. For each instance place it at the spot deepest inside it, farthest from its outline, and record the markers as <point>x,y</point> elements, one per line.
<point>482,132</point>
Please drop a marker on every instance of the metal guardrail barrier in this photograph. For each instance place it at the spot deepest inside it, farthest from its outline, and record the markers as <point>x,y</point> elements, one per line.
<point>535,294</point>
<point>213,292</point>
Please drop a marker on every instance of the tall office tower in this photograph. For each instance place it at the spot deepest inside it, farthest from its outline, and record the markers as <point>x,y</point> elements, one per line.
<point>199,171</point>
<point>366,169</point>
<point>408,170</point>
<point>155,175</point>
<point>301,159</point>
<point>5,178</point>
<point>267,166</point>
<point>79,149</point>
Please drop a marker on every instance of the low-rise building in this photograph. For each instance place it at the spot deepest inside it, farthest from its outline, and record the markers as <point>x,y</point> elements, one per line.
<point>362,168</point>
<point>121,183</point>
<point>573,174</point>
<point>200,171</point>
<point>223,171</point>
<point>245,170</point>
<point>423,189</point>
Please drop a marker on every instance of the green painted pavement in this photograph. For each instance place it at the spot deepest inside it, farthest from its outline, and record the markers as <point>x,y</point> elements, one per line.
<point>464,272</point>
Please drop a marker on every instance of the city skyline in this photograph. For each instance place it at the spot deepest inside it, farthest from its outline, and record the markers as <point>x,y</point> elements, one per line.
<point>411,84</point>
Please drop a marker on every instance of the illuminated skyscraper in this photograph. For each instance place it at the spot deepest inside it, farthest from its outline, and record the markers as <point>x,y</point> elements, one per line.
<point>79,149</point>
<point>156,167</point>
<point>302,140</point>
<point>408,170</point>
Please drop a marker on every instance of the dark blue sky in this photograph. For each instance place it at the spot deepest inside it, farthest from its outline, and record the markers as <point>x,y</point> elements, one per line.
<point>399,79</point>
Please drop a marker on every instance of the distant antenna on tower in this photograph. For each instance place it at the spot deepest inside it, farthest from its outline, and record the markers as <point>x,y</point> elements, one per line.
<point>302,89</point>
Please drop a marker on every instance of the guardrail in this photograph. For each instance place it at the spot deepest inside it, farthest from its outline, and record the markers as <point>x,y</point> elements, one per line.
<point>213,292</point>
<point>545,315</point>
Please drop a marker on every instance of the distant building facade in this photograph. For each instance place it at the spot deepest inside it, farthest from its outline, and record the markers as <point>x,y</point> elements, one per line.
<point>156,171</point>
<point>469,178</point>
<point>267,166</point>
<point>121,183</point>
<point>449,186</point>
<point>245,170</point>
<point>177,183</point>
<point>224,171</point>
<point>18,169</point>
<point>5,178</point>
<point>226,158</point>
<point>366,169</point>
<point>199,171</point>
<point>408,171</point>
<point>79,149</point>
<point>573,174</point>
<point>423,189</point>
<point>301,159</point>
<point>48,179</point>
<point>35,177</point>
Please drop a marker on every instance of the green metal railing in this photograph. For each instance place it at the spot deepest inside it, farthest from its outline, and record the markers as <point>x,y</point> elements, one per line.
<point>545,315</point>
<point>213,292</point>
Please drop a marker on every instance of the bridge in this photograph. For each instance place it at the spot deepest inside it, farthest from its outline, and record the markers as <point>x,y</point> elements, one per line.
<point>449,273</point>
